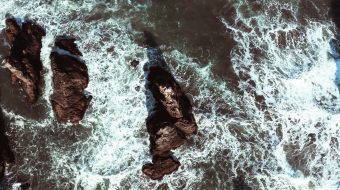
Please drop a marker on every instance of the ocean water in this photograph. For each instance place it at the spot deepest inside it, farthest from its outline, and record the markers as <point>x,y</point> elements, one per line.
<point>261,75</point>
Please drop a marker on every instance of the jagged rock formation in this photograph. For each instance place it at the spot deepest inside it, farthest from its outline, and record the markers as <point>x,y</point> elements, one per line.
<point>24,60</point>
<point>70,78</point>
<point>170,116</point>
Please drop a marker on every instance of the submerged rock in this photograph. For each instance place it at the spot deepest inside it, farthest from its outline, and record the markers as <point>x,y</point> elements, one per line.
<point>170,116</point>
<point>239,183</point>
<point>70,78</point>
<point>134,63</point>
<point>6,154</point>
<point>24,60</point>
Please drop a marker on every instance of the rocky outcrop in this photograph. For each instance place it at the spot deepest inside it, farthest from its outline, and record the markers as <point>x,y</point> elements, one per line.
<point>70,78</point>
<point>24,60</point>
<point>170,117</point>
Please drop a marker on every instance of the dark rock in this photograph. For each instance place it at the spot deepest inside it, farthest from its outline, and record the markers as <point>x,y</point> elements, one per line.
<point>311,137</point>
<point>160,167</point>
<point>2,171</point>
<point>6,154</point>
<point>70,78</point>
<point>170,116</point>
<point>166,139</point>
<point>134,63</point>
<point>24,60</point>
<point>25,186</point>
<point>169,100</point>
<point>67,43</point>
<point>240,183</point>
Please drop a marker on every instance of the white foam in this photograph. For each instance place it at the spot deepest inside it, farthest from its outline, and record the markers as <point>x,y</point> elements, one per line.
<point>112,143</point>
<point>294,80</point>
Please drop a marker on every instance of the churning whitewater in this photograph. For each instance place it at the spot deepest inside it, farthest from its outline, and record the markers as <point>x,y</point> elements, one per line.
<point>275,124</point>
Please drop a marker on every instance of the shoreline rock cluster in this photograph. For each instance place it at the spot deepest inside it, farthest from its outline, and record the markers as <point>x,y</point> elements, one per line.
<point>70,75</point>
<point>170,119</point>
<point>70,78</point>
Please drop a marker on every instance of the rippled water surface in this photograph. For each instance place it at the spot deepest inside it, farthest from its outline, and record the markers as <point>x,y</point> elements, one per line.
<point>260,73</point>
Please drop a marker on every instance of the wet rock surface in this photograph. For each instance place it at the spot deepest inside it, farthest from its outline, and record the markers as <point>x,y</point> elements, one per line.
<point>70,78</point>
<point>170,117</point>
<point>160,166</point>
<point>24,61</point>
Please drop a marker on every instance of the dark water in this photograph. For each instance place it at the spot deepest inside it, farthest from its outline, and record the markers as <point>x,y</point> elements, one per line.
<point>194,28</point>
<point>228,55</point>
